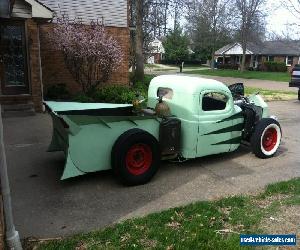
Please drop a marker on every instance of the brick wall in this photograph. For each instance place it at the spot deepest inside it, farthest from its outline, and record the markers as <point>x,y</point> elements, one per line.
<point>54,68</point>
<point>34,63</point>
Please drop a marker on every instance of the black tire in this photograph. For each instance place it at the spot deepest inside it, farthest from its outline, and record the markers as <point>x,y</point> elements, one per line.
<point>266,138</point>
<point>299,94</point>
<point>133,144</point>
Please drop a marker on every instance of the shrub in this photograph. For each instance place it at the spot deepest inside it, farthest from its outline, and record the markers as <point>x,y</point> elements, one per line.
<point>275,66</point>
<point>90,53</point>
<point>83,98</point>
<point>114,94</point>
<point>57,92</point>
<point>228,66</point>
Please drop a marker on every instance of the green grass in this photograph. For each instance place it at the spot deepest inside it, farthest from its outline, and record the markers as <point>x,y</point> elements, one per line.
<point>152,66</point>
<point>272,76</point>
<point>202,225</point>
<point>271,95</point>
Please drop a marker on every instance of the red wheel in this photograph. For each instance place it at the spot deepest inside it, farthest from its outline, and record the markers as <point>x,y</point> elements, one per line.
<point>269,139</point>
<point>138,159</point>
<point>266,138</point>
<point>135,157</point>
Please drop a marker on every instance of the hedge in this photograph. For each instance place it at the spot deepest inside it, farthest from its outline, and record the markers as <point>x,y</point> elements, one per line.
<point>274,66</point>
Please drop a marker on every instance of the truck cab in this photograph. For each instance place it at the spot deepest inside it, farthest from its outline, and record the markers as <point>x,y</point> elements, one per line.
<point>210,121</point>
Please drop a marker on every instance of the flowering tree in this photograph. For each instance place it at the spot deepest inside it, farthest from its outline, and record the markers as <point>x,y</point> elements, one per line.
<point>90,53</point>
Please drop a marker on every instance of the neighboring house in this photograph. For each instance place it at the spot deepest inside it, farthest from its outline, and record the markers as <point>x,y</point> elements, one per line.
<point>28,61</point>
<point>157,52</point>
<point>256,54</point>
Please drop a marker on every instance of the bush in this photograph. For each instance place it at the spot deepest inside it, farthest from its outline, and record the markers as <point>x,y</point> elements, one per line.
<point>228,66</point>
<point>274,66</point>
<point>57,92</point>
<point>114,94</point>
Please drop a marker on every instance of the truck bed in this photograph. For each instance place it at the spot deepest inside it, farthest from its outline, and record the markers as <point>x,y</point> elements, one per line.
<point>90,109</point>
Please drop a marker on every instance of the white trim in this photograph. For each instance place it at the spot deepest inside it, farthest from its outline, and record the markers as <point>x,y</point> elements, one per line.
<point>224,52</point>
<point>273,151</point>
<point>286,61</point>
<point>39,10</point>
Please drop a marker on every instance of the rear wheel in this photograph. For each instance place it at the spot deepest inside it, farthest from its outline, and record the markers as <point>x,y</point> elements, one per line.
<point>135,157</point>
<point>299,94</point>
<point>266,138</point>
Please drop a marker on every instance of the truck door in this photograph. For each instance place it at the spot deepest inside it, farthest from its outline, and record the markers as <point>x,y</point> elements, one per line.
<point>216,116</point>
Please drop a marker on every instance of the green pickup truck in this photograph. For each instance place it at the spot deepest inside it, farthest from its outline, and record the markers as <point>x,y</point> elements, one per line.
<point>186,117</point>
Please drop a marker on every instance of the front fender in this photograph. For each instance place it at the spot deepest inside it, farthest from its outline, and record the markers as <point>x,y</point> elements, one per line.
<point>257,100</point>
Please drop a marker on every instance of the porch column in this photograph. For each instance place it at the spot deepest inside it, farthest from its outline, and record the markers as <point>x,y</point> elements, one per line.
<point>251,61</point>
<point>34,63</point>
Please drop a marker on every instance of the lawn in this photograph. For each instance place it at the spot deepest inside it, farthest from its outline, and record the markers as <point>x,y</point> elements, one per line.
<point>202,225</point>
<point>268,95</point>
<point>272,95</point>
<point>272,76</point>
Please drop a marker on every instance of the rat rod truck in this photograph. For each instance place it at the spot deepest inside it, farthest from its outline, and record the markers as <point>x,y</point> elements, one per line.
<point>205,117</point>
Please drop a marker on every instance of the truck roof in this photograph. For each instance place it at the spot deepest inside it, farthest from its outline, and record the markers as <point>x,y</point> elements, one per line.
<point>187,84</point>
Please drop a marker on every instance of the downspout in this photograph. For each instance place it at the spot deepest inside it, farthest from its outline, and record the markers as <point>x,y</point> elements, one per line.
<point>12,236</point>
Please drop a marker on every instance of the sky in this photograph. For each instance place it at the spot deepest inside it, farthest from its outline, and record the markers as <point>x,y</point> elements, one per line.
<point>279,20</point>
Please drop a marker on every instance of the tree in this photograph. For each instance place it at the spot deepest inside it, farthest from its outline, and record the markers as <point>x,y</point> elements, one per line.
<point>293,6</point>
<point>249,15</point>
<point>91,55</point>
<point>209,26</point>
<point>176,46</point>
<point>139,38</point>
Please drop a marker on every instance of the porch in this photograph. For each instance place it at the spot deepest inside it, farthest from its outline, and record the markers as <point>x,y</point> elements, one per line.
<point>20,65</point>
<point>252,61</point>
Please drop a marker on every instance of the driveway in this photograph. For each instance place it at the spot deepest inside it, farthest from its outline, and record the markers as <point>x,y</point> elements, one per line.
<point>44,206</point>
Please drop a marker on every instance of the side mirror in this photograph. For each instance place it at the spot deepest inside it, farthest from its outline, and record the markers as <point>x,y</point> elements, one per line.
<point>237,89</point>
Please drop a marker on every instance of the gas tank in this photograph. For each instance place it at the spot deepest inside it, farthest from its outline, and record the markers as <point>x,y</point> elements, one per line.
<point>162,109</point>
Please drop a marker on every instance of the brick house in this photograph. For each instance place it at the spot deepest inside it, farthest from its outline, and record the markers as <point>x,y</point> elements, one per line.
<point>256,54</point>
<point>28,62</point>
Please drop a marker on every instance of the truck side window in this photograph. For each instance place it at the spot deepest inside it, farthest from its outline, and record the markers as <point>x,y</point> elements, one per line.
<point>214,101</point>
<point>165,92</point>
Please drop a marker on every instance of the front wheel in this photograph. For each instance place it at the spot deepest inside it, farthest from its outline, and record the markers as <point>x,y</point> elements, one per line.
<point>299,94</point>
<point>266,138</point>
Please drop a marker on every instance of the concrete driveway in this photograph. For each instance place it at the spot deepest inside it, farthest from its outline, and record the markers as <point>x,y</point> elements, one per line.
<point>44,206</point>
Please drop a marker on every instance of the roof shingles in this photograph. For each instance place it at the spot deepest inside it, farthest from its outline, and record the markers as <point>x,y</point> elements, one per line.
<point>285,48</point>
<point>112,12</point>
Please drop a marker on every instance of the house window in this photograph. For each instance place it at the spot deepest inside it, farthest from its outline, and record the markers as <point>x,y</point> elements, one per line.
<point>214,101</point>
<point>289,60</point>
<point>270,58</point>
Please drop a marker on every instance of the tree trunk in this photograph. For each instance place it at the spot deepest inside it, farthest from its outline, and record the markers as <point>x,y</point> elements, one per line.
<point>139,73</point>
<point>243,57</point>
<point>212,63</point>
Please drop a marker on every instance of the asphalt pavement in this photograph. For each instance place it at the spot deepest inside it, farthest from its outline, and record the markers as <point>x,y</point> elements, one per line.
<point>45,207</point>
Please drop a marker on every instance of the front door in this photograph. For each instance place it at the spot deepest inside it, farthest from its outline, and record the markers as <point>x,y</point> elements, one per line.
<point>216,125</point>
<point>13,61</point>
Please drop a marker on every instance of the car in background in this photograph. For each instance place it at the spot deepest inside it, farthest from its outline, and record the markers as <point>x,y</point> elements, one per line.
<point>295,78</point>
